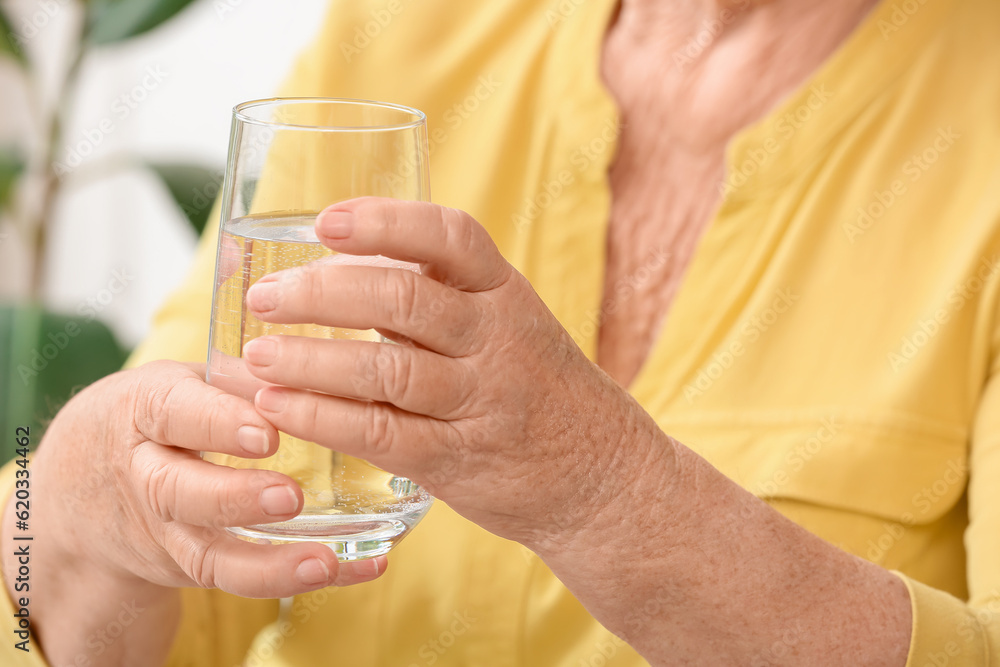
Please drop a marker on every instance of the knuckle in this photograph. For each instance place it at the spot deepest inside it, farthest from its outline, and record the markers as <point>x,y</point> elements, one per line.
<point>153,411</point>
<point>377,428</point>
<point>460,231</point>
<point>465,237</point>
<point>219,497</point>
<point>158,408</point>
<point>404,289</point>
<point>466,385</point>
<point>161,492</point>
<point>396,375</point>
<point>319,284</point>
<point>311,412</point>
<point>366,369</point>
<point>201,565</point>
<point>218,411</point>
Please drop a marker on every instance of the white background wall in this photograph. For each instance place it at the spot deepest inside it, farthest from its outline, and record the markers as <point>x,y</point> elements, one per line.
<point>182,80</point>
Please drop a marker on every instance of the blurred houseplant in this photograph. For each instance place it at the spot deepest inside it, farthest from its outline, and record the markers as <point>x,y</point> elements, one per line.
<point>46,356</point>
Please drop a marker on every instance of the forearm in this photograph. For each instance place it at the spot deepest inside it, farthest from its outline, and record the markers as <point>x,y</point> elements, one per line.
<point>82,615</point>
<point>691,569</point>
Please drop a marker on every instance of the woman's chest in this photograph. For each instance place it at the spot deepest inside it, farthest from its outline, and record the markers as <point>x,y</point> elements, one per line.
<point>664,189</point>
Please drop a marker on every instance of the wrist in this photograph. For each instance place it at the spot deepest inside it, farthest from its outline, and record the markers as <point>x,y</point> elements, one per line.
<point>64,553</point>
<point>609,512</point>
<point>75,605</point>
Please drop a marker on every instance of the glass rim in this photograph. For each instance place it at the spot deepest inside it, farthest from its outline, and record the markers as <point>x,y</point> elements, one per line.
<point>418,117</point>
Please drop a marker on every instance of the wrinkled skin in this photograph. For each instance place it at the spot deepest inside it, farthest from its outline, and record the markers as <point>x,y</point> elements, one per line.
<point>488,403</point>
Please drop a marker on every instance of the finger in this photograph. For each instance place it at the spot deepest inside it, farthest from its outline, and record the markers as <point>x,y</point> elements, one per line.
<point>449,244</point>
<point>231,257</point>
<point>181,487</point>
<point>378,433</point>
<point>411,379</point>
<point>434,315</point>
<point>217,560</point>
<point>178,408</point>
<point>360,571</point>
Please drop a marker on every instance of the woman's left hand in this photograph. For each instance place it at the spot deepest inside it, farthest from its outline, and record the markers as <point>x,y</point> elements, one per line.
<point>488,403</point>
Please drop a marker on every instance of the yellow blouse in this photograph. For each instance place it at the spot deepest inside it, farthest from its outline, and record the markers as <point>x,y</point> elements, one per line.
<point>833,347</point>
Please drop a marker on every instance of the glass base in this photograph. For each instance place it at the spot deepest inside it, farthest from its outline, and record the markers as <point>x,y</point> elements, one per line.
<point>352,537</point>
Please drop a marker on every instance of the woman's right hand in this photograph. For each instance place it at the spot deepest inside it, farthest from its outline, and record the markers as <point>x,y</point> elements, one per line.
<point>118,488</point>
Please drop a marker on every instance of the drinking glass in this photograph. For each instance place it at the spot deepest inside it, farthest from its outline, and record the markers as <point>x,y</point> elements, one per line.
<point>289,159</point>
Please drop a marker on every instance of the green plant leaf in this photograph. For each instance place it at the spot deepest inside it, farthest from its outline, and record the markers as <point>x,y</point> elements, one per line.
<point>9,40</point>
<point>194,187</point>
<point>45,358</point>
<point>11,166</point>
<point>111,21</point>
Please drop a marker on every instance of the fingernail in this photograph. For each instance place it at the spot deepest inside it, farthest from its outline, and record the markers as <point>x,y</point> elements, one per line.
<point>336,224</point>
<point>263,296</point>
<point>311,572</point>
<point>253,440</point>
<point>271,400</point>
<point>261,351</point>
<point>278,500</point>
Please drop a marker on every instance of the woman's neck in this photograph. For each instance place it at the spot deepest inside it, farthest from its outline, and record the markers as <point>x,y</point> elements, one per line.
<point>718,65</point>
<point>648,16</point>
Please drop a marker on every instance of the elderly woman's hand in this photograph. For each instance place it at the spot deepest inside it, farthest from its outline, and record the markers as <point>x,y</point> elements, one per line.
<point>120,488</point>
<point>488,403</point>
<point>124,510</point>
